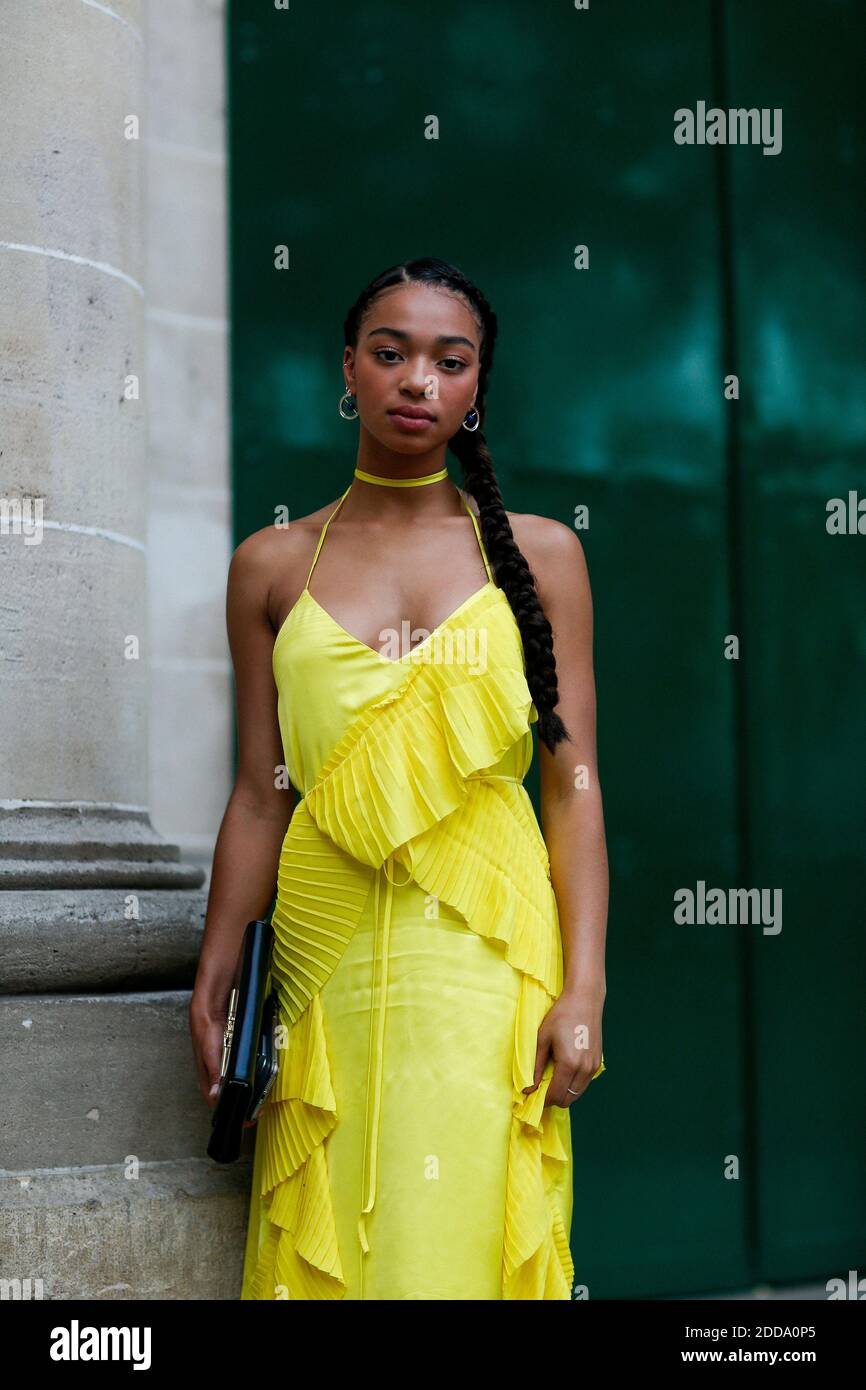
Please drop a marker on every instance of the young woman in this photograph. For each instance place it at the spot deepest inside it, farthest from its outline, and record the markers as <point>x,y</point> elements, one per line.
<point>439,961</point>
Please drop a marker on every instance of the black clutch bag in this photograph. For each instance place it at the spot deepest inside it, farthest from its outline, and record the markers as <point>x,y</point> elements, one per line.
<point>249,1059</point>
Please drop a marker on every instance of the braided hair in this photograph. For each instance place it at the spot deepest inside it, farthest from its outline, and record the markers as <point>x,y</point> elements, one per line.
<point>509,564</point>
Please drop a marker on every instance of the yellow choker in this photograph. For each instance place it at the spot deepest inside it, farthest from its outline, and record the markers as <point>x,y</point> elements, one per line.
<point>401,482</point>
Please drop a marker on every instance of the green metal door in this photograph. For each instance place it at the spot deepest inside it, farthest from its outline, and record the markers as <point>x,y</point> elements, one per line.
<point>724,1143</point>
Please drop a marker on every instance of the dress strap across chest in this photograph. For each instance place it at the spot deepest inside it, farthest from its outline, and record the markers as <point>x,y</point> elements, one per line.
<point>342,500</point>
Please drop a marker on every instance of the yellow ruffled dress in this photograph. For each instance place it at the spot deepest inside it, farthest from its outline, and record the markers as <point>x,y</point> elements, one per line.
<point>417,952</point>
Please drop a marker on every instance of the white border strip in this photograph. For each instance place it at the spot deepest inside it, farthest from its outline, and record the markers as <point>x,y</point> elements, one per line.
<point>95,531</point>
<point>112,14</point>
<point>102,266</point>
<point>14,805</point>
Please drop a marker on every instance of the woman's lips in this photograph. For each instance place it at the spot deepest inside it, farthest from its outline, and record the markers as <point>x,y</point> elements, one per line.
<point>412,423</point>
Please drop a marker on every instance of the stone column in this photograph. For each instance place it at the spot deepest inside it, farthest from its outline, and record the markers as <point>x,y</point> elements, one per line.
<point>189,513</point>
<point>105,1189</point>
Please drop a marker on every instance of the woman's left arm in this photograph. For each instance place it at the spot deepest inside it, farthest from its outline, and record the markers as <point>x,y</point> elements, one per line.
<point>572,820</point>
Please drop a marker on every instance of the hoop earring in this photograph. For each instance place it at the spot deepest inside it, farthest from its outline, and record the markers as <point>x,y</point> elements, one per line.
<point>348,399</point>
<point>472,428</point>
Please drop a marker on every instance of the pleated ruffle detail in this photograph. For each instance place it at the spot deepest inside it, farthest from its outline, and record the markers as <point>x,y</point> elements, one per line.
<point>299,1257</point>
<point>407,781</point>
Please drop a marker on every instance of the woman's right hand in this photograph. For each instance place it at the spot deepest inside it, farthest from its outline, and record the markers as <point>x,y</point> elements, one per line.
<point>207,1020</point>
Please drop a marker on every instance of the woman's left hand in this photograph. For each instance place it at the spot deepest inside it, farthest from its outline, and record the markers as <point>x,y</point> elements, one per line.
<point>571,1033</point>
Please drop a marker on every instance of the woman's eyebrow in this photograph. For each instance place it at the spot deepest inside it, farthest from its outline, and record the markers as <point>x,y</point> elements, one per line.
<point>442,338</point>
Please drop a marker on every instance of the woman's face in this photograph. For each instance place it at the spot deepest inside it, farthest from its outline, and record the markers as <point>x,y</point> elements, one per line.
<point>418,347</point>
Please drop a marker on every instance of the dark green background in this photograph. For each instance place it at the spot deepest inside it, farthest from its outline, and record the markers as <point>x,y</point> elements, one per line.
<point>707,517</point>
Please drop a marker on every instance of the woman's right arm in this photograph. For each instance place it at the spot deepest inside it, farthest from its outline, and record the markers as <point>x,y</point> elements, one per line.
<point>258,812</point>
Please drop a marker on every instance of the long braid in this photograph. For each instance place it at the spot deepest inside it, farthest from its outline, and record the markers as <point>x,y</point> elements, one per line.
<point>509,564</point>
<point>515,578</point>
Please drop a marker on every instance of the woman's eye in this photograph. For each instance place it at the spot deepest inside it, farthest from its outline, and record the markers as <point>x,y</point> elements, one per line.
<point>455,362</point>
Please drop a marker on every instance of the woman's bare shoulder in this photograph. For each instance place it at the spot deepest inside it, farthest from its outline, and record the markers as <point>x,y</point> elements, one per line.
<point>545,543</point>
<point>285,540</point>
<point>552,550</point>
<point>279,552</point>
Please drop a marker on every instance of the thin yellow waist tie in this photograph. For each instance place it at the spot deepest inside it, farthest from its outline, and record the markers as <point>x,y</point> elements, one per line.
<point>376,1050</point>
<point>376,1053</point>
